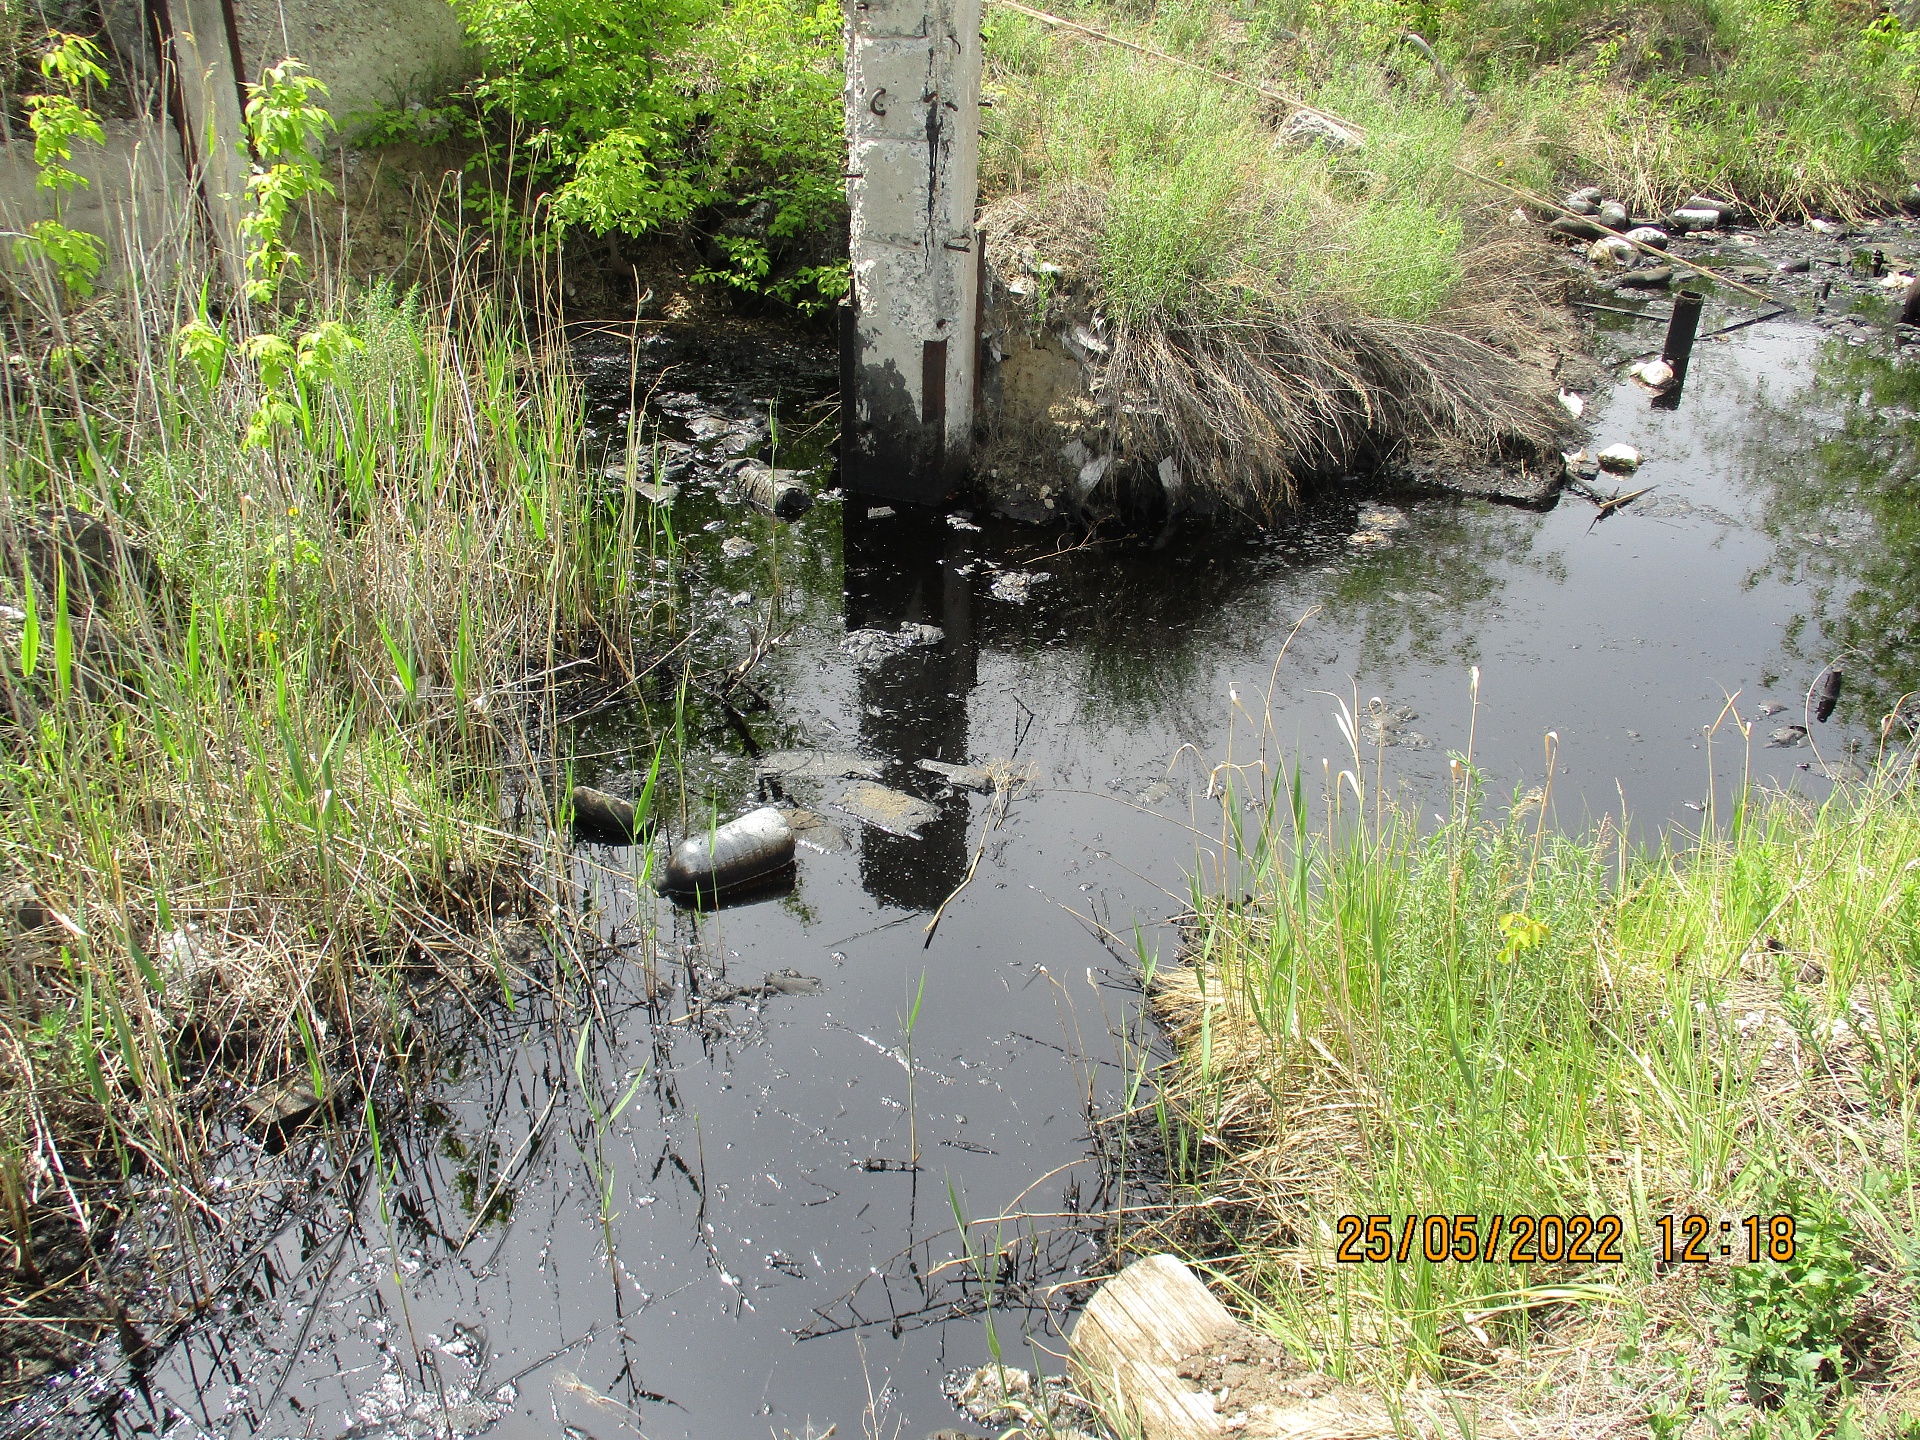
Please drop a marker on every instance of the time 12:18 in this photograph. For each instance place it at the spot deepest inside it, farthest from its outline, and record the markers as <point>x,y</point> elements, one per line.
<point>1692,1239</point>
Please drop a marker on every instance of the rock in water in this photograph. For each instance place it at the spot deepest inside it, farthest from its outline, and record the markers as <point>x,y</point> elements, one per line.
<point>1647,235</point>
<point>1826,694</point>
<point>1788,735</point>
<point>1650,279</point>
<point>888,810</point>
<point>750,850</point>
<point>1621,459</point>
<point>1588,194</point>
<point>604,818</point>
<point>1685,219</point>
<point>1613,215</point>
<point>1577,229</point>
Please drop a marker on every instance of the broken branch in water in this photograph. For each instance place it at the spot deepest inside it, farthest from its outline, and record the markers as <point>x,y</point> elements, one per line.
<point>1006,781</point>
<point>1610,504</point>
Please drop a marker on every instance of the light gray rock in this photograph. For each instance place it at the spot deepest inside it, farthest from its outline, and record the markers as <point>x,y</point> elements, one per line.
<point>1305,128</point>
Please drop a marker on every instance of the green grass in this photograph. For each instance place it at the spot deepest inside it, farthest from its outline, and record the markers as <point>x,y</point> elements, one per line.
<point>1491,1019</point>
<point>1808,107</point>
<point>1198,213</point>
<point>258,776</point>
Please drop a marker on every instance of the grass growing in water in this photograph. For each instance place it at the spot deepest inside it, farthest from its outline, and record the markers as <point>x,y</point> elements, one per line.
<point>1492,1020</point>
<point>261,702</point>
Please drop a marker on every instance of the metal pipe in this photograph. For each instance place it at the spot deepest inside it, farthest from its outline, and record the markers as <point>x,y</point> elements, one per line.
<point>1679,347</point>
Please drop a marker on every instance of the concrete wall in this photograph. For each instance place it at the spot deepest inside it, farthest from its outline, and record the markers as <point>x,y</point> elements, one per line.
<point>370,53</point>
<point>128,201</point>
<point>145,182</point>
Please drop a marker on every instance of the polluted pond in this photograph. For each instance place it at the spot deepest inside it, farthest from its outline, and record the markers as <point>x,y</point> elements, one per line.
<point>815,1109</point>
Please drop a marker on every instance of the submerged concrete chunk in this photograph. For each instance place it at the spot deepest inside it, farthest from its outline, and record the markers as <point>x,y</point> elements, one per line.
<point>889,810</point>
<point>817,765</point>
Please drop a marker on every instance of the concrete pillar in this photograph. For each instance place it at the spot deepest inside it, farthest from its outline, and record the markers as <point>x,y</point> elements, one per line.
<point>207,107</point>
<point>909,343</point>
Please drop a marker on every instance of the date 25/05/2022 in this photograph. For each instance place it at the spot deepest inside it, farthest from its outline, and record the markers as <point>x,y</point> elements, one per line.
<point>1557,1239</point>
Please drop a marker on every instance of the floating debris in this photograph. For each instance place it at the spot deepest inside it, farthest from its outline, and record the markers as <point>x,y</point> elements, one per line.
<point>1772,707</point>
<point>818,832</point>
<point>1005,1399</point>
<point>961,522</point>
<point>1377,524</point>
<point>736,547</point>
<point>961,777</point>
<point>817,765</point>
<point>1654,374</point>
<point>1826,694</point>
<point>1014,586</point>
<point>781,493</point>
<point>742,853</point>
<point>889,810</point>
<point>1386,724</point>
<point>1788,735</point>
<point>1574,405</point>
<point>866,646</point>
<point>608,819</point>
<point>791,982</point>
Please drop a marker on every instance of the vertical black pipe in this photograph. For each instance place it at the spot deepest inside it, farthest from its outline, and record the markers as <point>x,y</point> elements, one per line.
<point>1679,347</point>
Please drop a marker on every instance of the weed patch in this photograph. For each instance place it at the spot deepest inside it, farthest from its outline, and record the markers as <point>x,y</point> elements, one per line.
<point>1500,1027</point>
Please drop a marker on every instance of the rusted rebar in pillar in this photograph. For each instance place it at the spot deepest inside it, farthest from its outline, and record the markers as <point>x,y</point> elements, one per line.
<point>909,342</point>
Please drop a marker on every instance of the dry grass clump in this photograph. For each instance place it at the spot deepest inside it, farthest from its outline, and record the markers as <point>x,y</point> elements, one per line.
<point>1258,310</point>
<point>1488,1020</point>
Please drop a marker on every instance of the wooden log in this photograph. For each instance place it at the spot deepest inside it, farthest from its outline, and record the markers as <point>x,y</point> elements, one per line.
<point>1133,1335</point>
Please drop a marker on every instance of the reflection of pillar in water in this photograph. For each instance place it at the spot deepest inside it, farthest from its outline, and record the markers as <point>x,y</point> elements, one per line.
<point>913,704</point>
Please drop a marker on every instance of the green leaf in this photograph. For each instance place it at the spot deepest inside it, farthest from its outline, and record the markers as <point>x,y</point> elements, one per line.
<point>62,634</point>
<point>30,628</point>
<point>403,671</point>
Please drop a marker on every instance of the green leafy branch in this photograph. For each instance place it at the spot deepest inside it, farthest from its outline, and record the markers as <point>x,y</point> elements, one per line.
<point>286,128</point>
<point>59,118</point>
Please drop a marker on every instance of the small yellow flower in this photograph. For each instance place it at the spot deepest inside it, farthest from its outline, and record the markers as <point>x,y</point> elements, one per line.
<point>293,512</point>
<point>268,637</point>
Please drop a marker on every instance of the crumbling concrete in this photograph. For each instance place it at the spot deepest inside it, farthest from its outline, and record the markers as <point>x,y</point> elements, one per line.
<point>909,339</point>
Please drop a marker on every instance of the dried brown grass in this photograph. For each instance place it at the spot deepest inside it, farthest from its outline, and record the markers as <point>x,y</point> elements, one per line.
<point>1275,389</point>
